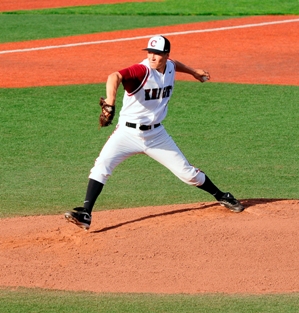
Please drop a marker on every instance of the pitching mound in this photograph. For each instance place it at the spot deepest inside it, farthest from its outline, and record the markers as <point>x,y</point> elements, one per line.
<point>190,248</point>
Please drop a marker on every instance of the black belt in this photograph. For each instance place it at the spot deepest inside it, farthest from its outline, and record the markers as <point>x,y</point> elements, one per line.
<point>142,127</point>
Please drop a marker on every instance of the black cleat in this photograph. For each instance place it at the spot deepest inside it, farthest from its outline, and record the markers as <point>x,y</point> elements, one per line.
<point>79,217</point>
<point>229,201</point>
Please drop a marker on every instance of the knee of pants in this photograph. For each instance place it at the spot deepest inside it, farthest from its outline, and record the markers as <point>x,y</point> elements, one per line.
<point>193,178</point>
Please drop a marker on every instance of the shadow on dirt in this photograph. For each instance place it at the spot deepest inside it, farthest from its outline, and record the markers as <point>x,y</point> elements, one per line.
<point>252,202</point>
<point>246,202</point>
<point>178,211</point>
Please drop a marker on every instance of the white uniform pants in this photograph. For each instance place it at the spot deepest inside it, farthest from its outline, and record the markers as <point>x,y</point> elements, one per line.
<point>156,143</point>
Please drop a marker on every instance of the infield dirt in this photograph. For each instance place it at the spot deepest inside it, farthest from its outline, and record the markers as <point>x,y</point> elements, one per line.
<point>191,248</point>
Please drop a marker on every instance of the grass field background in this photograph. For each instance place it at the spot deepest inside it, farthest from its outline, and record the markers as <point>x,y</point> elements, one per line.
<point>168,8</point>
<point>20,27</point>
<point>42,301</point>
<point>244,136</point>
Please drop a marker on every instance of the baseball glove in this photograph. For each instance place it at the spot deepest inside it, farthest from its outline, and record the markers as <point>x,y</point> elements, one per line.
<point>107,113</point>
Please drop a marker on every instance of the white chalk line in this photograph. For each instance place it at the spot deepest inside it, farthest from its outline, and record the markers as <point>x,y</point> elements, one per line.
<point>149,36</point>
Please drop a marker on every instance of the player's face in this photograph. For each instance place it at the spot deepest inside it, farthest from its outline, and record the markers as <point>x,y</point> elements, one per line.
<point>157,60</point>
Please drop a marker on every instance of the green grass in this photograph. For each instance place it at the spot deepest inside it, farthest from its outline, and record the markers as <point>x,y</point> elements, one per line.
<point>29,26</point>
<point>42,301</point>
<point>51,23</point>
<point>187,7</point>
<point>245,137</point>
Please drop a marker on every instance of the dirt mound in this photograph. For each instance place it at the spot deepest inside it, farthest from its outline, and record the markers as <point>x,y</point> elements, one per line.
<point>188,248</point>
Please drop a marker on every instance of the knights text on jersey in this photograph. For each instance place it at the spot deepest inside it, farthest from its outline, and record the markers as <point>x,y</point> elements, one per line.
<point>147,93</point>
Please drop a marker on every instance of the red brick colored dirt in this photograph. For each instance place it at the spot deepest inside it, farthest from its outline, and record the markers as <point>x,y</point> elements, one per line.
<point>259,55</point>
<point>190,248</point>
<point>187,248</point>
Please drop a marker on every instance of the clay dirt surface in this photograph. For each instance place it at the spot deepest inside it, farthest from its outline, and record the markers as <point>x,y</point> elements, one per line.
<point>255,55</point>
<point>186,248</point>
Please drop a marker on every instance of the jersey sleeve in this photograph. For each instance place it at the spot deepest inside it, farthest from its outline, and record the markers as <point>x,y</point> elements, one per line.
<point>134,77</point>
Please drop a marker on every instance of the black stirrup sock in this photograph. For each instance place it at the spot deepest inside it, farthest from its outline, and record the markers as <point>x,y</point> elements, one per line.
<point>209,187</point>
<point>94,189</point>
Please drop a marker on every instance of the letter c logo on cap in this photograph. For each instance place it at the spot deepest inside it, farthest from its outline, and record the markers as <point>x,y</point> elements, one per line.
<point>153,43</point>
